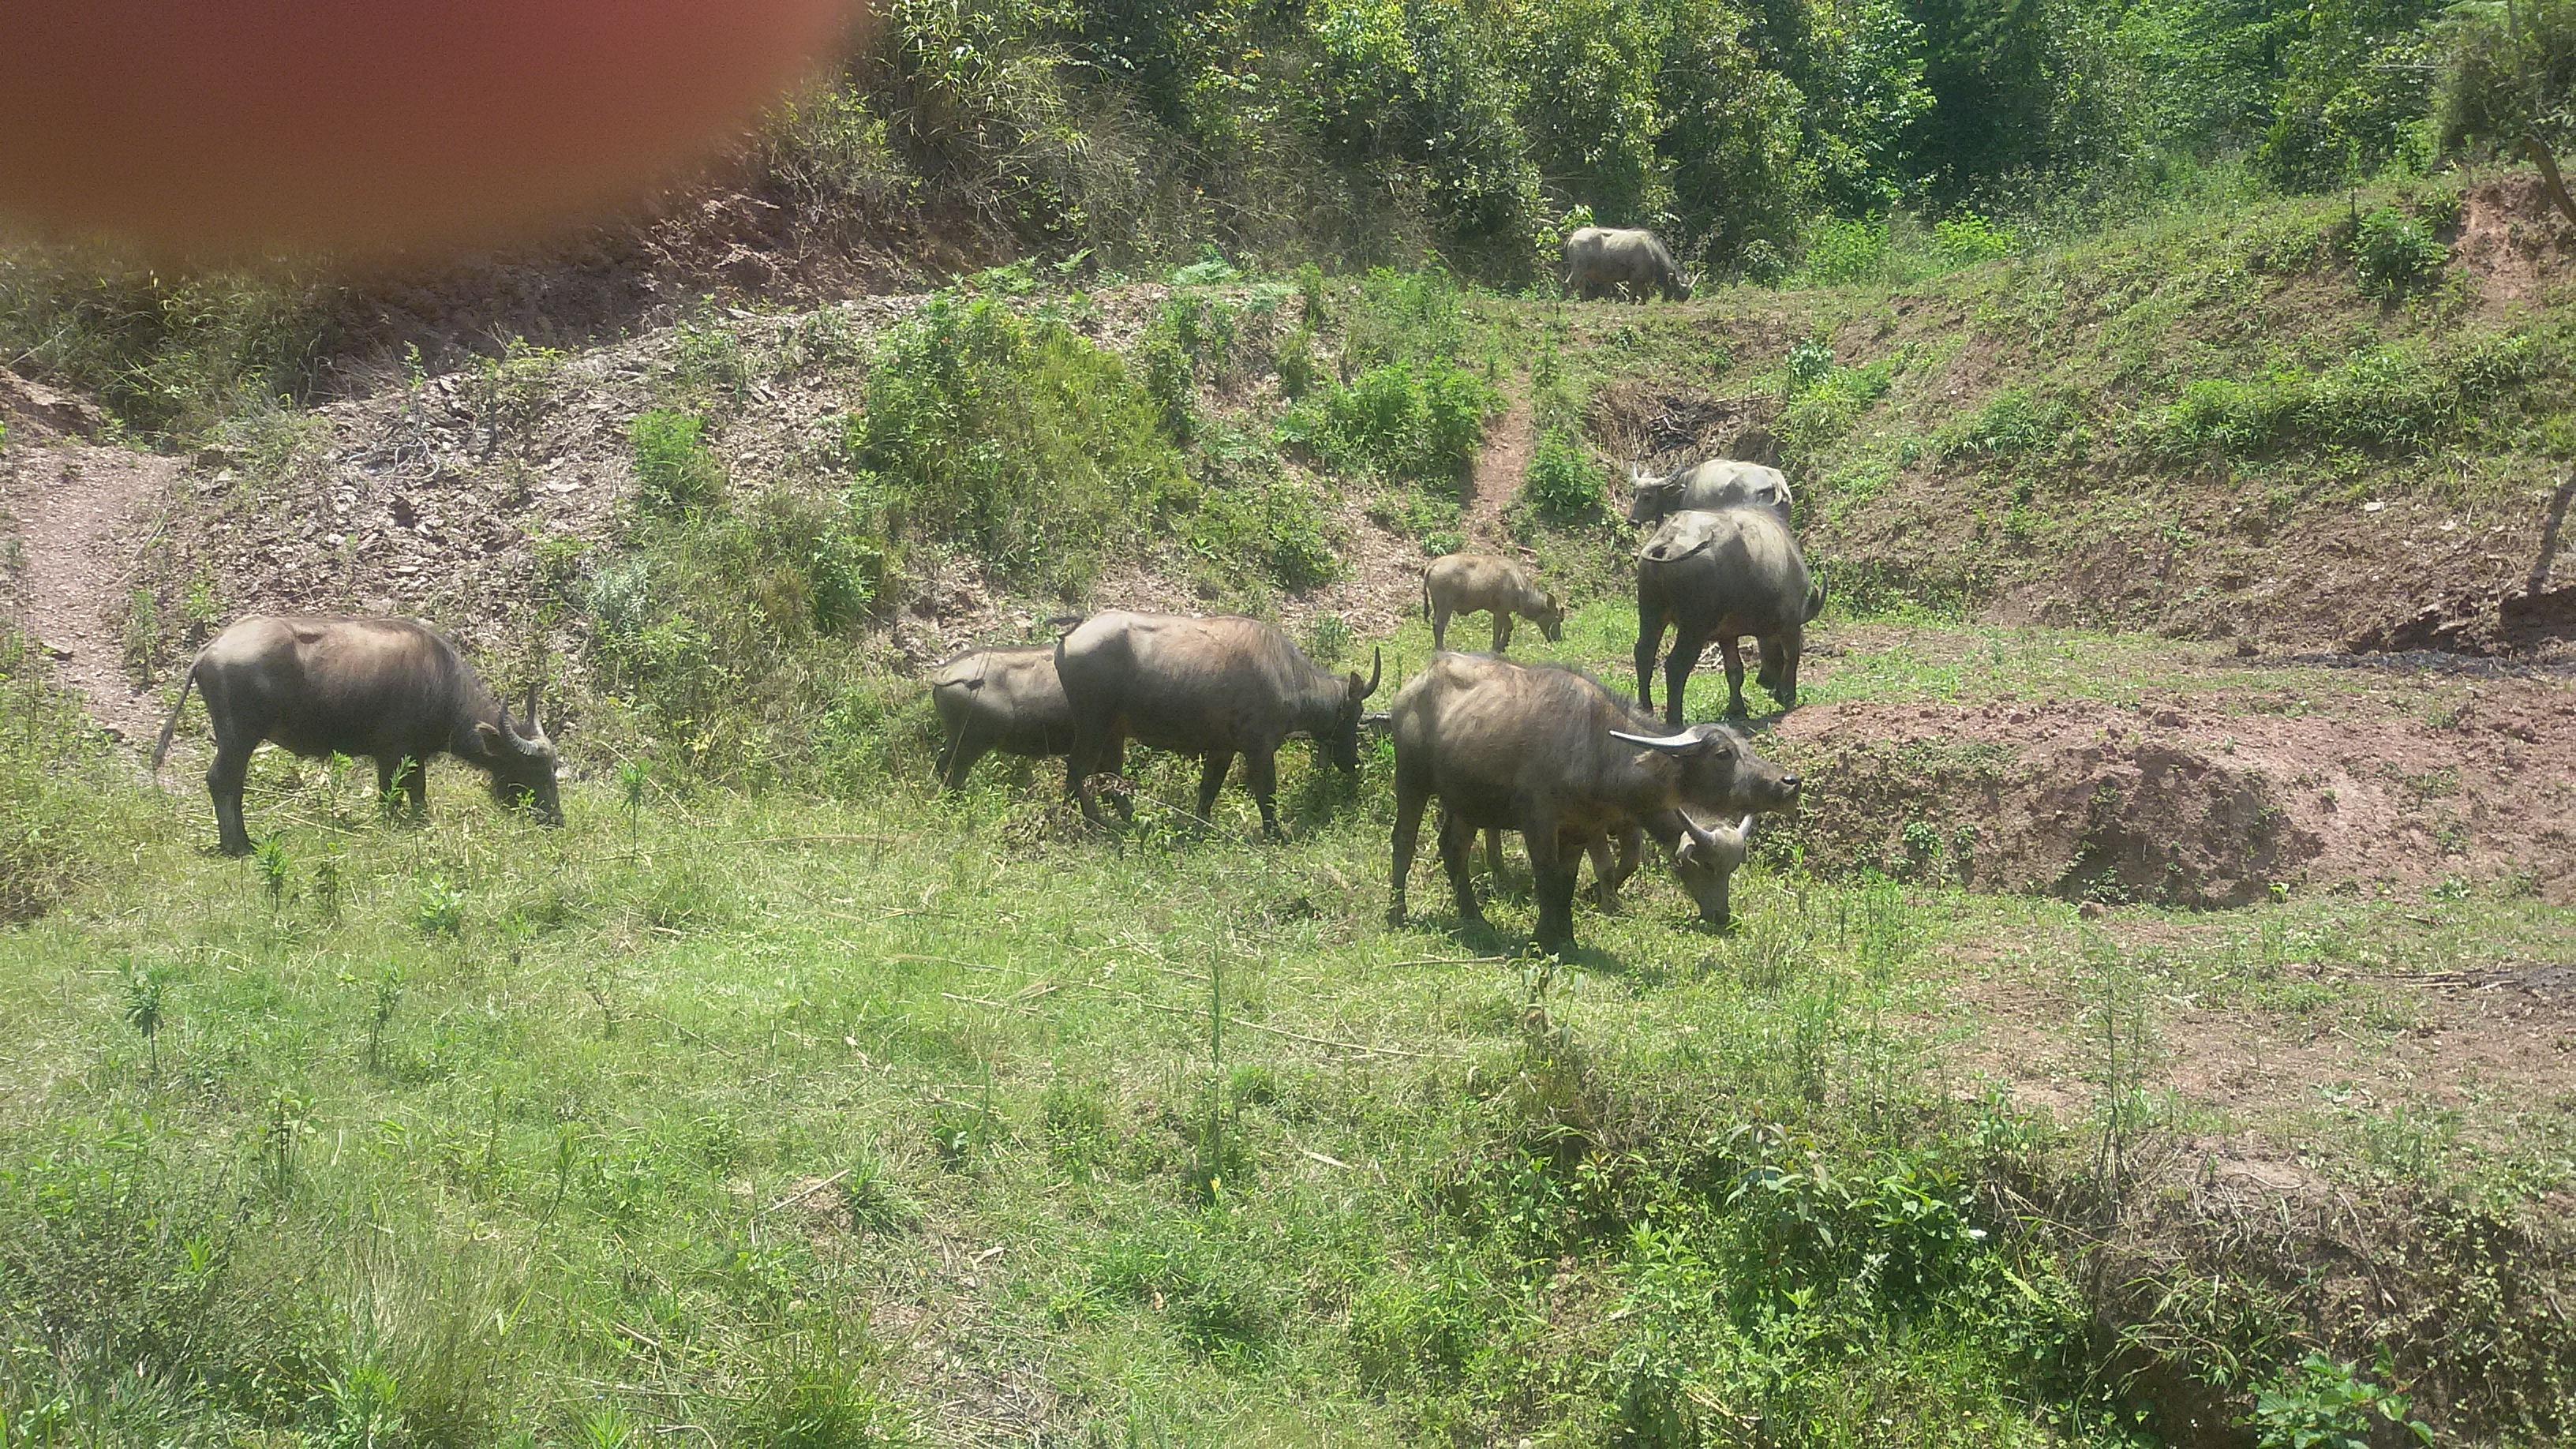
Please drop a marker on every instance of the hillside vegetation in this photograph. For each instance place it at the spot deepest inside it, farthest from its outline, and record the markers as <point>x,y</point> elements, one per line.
<point>2153,1028</point>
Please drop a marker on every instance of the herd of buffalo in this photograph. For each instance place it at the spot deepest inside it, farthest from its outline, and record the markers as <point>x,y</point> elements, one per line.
<point>1541,749</point>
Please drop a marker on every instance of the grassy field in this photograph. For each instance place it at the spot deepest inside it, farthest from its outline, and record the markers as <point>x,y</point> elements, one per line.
<point>772,1120</point>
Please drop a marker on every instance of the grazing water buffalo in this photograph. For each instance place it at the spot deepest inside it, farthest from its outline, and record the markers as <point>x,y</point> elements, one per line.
<point>1720,576</point>
<point>1710,487</point>
<point>1469,583</point>
<point>1550,752</point>
<point>392,689</point>
<point>1604,261</point>
<point>1212,687</point>
<point>1007,700</point>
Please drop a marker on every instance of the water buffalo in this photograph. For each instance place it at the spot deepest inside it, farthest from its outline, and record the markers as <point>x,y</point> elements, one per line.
<point>1469,583</point>
<point>395,690</point>
<point>1605,261</point>
<point>1007,700</point>
<point>1710,487</point>
<point>1720,576</point>
<point>1215,687</point>
<point>1552,753</point>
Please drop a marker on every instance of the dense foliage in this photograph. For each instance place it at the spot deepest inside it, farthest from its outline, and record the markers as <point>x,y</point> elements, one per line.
<point>1369,128</point>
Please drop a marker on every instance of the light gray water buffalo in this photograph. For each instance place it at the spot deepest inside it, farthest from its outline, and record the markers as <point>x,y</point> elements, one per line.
<point>1552,753</point>
<point>1469,583</point>
<point>1710,487</point>
<point>1603,261</point>
<point>1007,700</point>
<point>1215,687</point>
<point>395,690</point>
<point>1721,576</point>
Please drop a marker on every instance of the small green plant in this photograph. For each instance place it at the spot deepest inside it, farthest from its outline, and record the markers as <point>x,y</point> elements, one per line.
<point>2318,1403</point>
<point>440,910</point>
<point>1310,296</point>
<point>674,468</point>
<point>389,990</point>
<point>143,1008</point>
<point>1296,362</point>
<point>143,632</point>
<point>289,1123</point>
<point>202,611</point>
<point>1328,639</point>
<point>2393,253</point>
<point>632,779</point>
<point>1809,363</point>
<point>327,889</point>
<point>275,870</point>
<point>1562,485</point>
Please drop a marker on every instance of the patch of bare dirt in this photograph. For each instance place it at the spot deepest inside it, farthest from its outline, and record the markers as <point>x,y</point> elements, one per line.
<point>69,500</point>
<point>2513,244</point>
<point>2203,799</point>
<point>1501,464</point>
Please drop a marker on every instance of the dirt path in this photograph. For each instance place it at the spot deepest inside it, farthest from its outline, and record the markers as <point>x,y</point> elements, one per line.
<point>1500,466</point>
<point>66,503</point>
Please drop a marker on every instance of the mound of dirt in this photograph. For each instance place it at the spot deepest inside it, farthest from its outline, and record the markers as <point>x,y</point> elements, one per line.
<point>2513,244</point>
<point>2201,801</point>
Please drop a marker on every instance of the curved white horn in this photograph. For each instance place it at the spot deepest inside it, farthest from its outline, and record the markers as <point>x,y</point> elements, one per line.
<point>1669,744</point>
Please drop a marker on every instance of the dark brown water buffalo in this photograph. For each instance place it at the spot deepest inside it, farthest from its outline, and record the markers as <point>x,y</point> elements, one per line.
<point>1721,576</point>
<point>1469,583</point>
<point>1215,687</point>
<point>1718,484</point>
<point>1603,261</point>
<point>1007,700</point>
<point>1552,753</point>
<point>394,690</point>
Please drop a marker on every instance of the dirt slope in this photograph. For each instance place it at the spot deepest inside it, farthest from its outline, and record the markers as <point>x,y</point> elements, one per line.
<point>72,502</point>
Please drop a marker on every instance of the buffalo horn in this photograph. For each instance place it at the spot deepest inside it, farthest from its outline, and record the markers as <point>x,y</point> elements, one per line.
<point>1680,744</point>
<point>1377,663</point>
<point>535,730</point>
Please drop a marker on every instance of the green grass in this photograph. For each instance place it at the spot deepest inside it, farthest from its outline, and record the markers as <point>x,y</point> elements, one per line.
<point>782,1120</point>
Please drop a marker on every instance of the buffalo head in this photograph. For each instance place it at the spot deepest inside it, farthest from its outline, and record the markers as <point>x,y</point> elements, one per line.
<point>1719,772</point>
<point>1705,859</point>
<point>522,765</point>
<point>1345,742</point>
<point>1550,618</point>
<point>1649,497</point>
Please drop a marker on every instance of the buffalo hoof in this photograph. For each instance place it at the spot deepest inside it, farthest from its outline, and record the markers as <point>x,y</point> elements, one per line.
<point>1395,916</point>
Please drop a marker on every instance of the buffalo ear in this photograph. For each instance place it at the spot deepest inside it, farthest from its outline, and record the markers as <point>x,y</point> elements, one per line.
<point>488,736</point>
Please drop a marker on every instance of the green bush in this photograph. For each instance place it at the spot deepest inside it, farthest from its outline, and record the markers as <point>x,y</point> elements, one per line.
<point>1277,527</point>
<point>1410,423</point>
<point>1563,486</point>
<point>674,468</point>
<point>1014,439</point>
<point>2393,253</point>
<point>2010,422</point>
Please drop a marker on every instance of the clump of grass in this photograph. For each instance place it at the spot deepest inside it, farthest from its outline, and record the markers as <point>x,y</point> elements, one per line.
<point>2393,253</point>
<point>1563,486</point>
<point>674,467</point>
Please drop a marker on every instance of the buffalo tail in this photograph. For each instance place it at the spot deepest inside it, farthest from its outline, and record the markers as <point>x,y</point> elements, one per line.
<point>161,751</point>
<point>1816,599</point>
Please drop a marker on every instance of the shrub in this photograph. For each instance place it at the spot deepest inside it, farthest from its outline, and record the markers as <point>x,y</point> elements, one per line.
<point>1563,486</point>
<point>1015,439</point>
<point>1277,527</point>
<point>2393,399</point>
<point>2393,253</point>
<point>674,468</point>
<point>1842,250</point>
<point>1410,423</point>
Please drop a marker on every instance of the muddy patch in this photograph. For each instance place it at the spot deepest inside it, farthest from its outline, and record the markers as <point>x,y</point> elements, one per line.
<point>2201,801</point>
